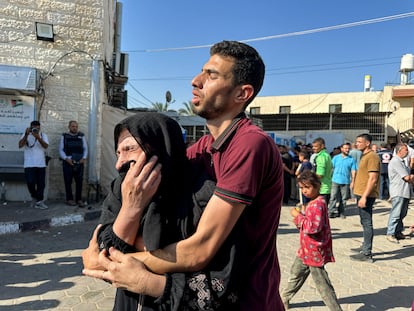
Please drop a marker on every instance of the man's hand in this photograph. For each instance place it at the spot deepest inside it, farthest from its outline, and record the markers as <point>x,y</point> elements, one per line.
<point>126,272</point>
<point>362,202</point>
<point>90,255</point>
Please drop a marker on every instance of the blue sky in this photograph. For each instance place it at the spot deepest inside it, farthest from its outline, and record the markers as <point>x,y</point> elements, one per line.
<point>319,62</point>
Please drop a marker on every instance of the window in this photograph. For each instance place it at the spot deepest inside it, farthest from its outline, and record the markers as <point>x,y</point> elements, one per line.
<point>284,109</point>
<point>254,110</point>
<point>335,108</point>
<point>371,107</point>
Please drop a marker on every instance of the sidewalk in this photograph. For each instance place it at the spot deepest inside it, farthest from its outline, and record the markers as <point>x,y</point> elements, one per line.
<point>386,284</point>
<point>20,217</point>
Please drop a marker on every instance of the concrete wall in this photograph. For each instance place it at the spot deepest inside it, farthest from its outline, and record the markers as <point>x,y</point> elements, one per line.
<point>83,30</point>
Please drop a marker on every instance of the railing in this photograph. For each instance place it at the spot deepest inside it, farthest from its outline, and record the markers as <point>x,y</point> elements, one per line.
<point>375,122</point>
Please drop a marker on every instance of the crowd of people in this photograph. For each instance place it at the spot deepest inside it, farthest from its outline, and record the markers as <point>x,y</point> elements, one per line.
<point>360,173</point>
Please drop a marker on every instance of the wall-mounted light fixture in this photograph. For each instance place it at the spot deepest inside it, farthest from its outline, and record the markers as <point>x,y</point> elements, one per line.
<point>44,32</point>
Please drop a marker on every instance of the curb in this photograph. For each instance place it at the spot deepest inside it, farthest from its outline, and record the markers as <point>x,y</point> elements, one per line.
<point>14,227</point>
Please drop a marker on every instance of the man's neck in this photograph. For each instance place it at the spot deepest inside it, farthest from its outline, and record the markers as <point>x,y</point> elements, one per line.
<point>218,125</point>
<point>366,150</point>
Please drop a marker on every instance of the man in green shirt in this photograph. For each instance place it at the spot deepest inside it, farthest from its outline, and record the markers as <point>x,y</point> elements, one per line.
<point>323,167</point>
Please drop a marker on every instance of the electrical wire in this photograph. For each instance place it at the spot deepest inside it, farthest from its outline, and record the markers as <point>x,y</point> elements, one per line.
<point>143,96</point>
<point>290,34</point>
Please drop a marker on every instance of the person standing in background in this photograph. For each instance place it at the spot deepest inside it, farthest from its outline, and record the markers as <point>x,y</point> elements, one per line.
<point>35,144</point>
<point>385,155</point>
<point>366,190</point>
<point>400,192</point>
<point>73,151</point>
<point>323,167</point>
<point>344,168</point>
<point>315,249</point>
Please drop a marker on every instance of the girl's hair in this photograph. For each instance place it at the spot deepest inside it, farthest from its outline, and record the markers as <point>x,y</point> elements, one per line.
<point>309,177</point>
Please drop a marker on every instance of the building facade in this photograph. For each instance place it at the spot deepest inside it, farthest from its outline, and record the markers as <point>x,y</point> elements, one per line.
<point>381,113</point>
<point>64,49</point>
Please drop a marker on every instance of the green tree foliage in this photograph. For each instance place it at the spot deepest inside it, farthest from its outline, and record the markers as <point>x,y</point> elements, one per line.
<point>160,107</point>
<point>187,110</point>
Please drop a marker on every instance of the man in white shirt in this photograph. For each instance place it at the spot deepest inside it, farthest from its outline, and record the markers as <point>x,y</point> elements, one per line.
<point>35,144</point>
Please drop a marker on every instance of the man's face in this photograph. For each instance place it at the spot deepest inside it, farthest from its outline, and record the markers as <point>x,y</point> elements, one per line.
<point>403,152</point>
<point>362,144</point>
<point>345,149</point>
<point>317,146</point>
<point>213,90</point>
<point>73,127</point>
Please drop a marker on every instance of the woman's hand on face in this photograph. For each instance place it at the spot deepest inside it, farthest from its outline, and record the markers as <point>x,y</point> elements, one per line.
<point>141,182</point>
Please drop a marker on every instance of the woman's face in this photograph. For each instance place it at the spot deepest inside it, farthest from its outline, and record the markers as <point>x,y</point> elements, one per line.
<point>128,149</point>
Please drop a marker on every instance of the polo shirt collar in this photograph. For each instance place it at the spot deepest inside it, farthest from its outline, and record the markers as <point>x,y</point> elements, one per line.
<point>219,143</point>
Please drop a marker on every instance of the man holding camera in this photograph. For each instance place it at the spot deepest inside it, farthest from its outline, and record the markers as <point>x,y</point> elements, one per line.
<point>73,150</point>
<point>35,144</point>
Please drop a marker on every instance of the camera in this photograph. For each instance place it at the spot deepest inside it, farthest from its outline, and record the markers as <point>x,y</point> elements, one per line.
<point>35,130</point>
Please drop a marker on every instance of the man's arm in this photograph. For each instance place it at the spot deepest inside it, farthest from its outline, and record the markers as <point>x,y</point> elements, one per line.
<point>43,142</point>
<point>23,140</point>
<point>372,179</point>
<point>195,252</point>
<point>62,153</point>
<point>353,174</point>
<point>85,150</point>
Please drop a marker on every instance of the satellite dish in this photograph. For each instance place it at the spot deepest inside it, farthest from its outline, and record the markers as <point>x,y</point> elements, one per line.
<point>394,106</point>
<point>168,96</point>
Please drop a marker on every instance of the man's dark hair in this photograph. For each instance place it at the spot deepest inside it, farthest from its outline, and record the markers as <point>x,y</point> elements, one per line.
<point>35,123</point>
<point>319,140</point>
<point>248,65</point>
<point>365,136</point>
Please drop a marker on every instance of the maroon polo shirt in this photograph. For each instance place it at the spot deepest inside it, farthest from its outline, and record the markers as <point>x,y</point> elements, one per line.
<point>247,166</point>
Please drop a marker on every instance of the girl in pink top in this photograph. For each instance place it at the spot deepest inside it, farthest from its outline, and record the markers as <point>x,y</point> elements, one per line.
<point>315,244</point>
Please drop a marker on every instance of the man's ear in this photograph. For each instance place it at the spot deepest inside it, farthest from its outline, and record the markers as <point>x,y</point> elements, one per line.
<point>244,93</point>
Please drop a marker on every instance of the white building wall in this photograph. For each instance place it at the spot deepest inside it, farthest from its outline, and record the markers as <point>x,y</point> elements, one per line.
<point>83,30</point>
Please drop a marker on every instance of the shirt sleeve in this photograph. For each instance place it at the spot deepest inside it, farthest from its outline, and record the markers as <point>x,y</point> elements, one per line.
<point>62,153</point>
<point>85,148</point>
<point>242,168</point>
